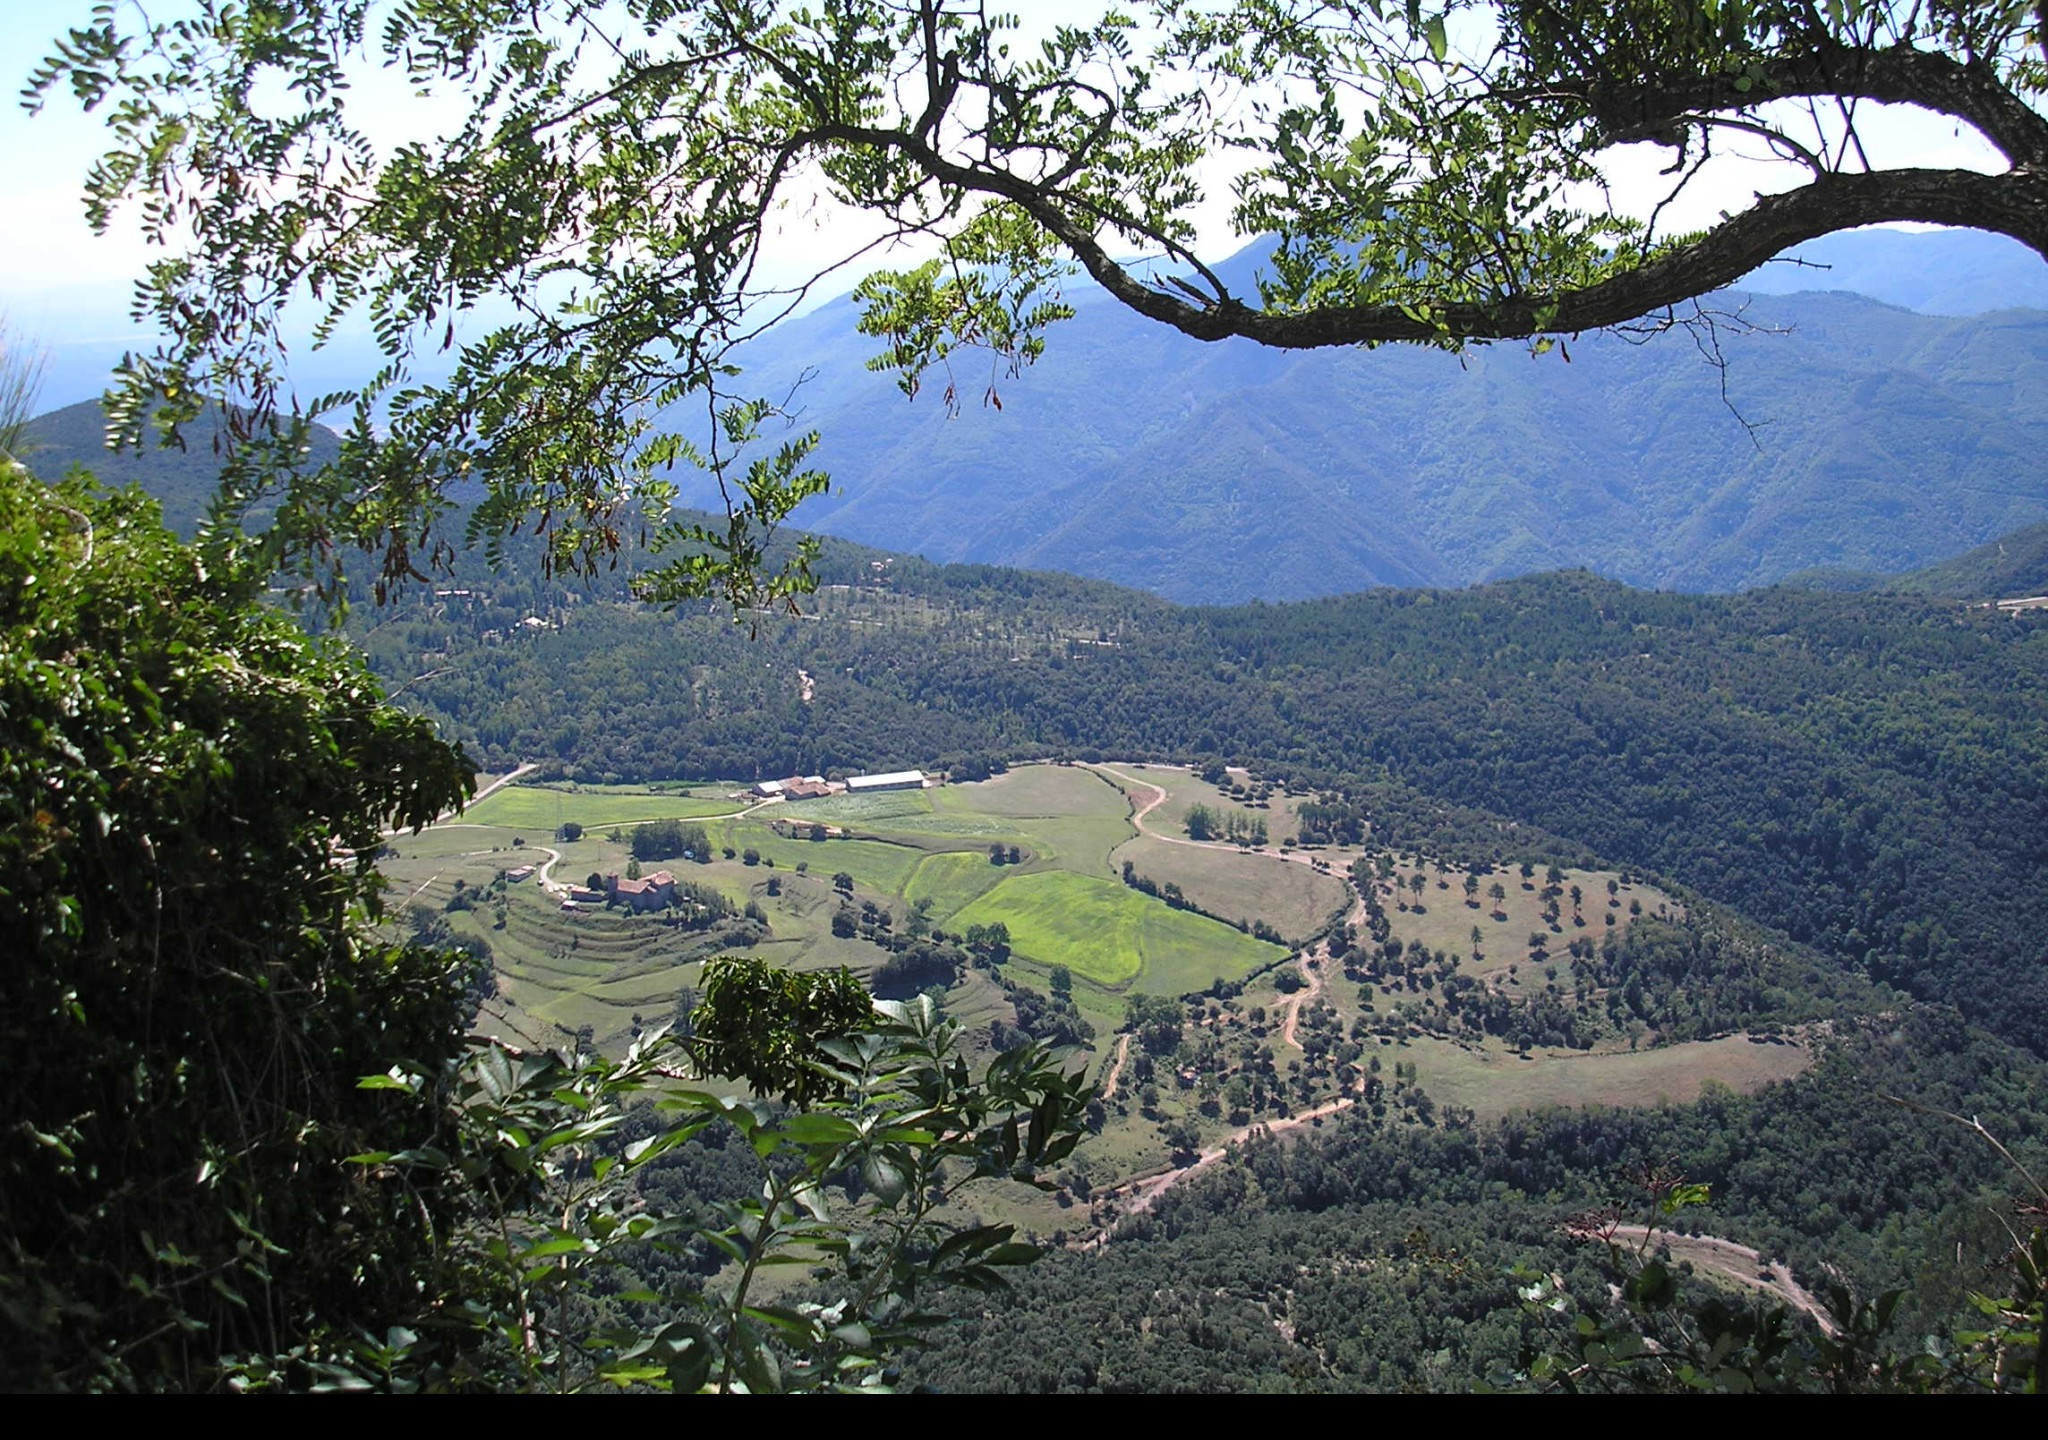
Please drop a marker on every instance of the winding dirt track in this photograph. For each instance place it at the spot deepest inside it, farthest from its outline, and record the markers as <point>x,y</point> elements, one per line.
<point>1116,1067</point>
<point>1144,1192</point>
<point>1141,1194</point>
<point>1737,1263</point>
<point>1311,964</point>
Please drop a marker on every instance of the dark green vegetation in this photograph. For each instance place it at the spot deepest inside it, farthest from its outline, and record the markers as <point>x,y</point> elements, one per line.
<point>191,993</point>
<point>2013,566</point>
<point>1391,1256</point>
<point>246,1140</point>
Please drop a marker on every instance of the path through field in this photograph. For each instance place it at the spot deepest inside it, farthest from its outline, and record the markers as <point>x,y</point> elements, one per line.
<point>1311,964</point>
<point>1116,1066</point>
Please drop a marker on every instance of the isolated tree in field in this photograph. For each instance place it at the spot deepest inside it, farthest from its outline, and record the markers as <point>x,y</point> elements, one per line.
<point>1499,894</point>
<point>612,172</point>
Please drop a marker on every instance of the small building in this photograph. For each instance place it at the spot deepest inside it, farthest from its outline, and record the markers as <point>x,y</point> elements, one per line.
<point>519,873</point>
<point>586,895</point>
<point>650,892</point>
<point>793,787</point>
<point>893,780</point>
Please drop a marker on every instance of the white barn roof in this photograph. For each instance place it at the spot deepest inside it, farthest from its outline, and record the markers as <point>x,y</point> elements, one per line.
<point>894,778</point>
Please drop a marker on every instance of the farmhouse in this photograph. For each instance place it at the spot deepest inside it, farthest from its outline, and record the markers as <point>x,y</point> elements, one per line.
<point>519,873</point>
<point>769,789</point>
<point>651,892</point>
<point>894,780</point>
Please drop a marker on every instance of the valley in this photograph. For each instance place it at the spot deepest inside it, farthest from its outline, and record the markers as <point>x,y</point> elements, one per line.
<point>1218,991</point>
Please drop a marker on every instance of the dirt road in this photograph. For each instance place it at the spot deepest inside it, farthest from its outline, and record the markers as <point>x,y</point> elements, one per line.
<point>1116,1067</point>
<point>1312,964</point>
<point>1144,1192</point>
<point>1737,1263</point>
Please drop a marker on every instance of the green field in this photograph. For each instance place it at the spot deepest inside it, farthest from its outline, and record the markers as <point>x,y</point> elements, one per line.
<point>1110,934</point>
<point>857,809</point>
<point>615,974</point>
<point>538,810</point>
<point>951,881</point>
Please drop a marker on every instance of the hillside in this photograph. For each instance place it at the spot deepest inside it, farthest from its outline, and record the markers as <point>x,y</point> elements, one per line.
<point>183,481</point>
<point>1854,770</point>
<point>2012,566</point>
<point>1853,434</point>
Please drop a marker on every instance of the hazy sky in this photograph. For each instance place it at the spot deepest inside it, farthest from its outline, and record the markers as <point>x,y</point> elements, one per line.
<point>64,287</point>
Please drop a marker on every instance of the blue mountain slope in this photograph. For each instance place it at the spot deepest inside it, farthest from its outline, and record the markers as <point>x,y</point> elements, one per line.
<point>1853,434</point>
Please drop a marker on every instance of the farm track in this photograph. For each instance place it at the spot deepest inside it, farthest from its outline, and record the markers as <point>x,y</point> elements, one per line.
<point>1116,1066</point>
<point>1739,1264</point>
<point>1145,1190</point>
<point>1312,964</point>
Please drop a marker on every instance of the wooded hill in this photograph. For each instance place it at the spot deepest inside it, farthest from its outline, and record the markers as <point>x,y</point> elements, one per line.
<point>1868,773</point>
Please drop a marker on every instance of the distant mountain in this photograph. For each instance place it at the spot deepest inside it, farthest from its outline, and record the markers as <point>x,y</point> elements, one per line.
<point>1855,437</point>
<point>182,481</point>
<point>1854,434</point>
<point>1947,272</point>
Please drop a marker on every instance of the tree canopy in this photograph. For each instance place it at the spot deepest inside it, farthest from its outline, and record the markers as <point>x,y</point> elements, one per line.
<point>591,237</point>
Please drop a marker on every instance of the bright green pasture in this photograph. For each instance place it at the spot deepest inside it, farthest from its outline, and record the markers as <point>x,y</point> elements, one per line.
<point>1110,934</point>
<point>540,810</point>
<point>952,880</point>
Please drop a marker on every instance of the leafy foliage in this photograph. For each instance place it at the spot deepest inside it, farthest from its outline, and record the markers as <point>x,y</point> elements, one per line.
<point>193,793</point>
<point>527,1294</point>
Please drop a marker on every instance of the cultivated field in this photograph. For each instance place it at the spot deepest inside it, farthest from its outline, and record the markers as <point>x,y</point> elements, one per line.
<point>538,811</point>
<point>1294,899</point>
<point>1297,1038</point>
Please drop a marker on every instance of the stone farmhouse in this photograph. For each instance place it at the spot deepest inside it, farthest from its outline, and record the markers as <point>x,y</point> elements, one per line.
<point>649,892</point>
